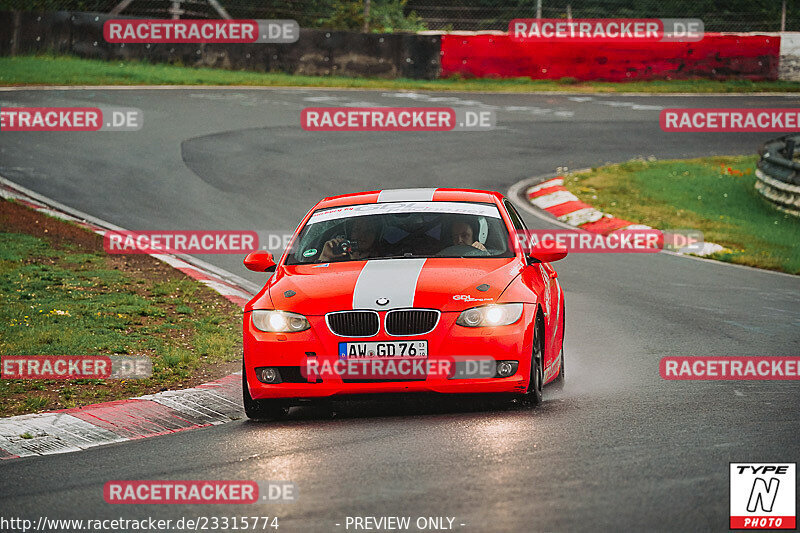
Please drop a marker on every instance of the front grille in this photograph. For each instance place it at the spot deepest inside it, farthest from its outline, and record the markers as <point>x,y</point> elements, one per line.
<point>411,321</point>
<point>353,323</point>
<point>292,374</point>
<point>381,380</point>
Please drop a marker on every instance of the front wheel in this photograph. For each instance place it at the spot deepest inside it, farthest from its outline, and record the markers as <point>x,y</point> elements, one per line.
<point>261,409</point>
<point>534,392</point>
<point>558,383</point>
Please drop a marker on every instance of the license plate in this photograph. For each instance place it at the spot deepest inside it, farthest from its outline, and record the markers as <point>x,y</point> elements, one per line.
<point>384,350</point>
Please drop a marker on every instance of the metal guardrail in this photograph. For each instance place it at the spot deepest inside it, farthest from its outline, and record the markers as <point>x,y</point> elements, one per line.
<point>778,173</point>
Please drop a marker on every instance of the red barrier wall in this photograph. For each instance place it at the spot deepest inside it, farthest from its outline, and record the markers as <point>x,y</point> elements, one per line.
<point>717,56</point>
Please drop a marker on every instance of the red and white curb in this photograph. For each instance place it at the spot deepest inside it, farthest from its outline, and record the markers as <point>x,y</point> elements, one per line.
<point>166,412</point>
<point>80,428</point>
<point>553,197</point>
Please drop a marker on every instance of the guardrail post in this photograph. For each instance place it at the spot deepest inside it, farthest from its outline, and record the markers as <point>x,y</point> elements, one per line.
<point>15,33</point>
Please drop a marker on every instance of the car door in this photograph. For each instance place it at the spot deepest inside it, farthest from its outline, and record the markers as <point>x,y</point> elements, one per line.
<point>551,294</point>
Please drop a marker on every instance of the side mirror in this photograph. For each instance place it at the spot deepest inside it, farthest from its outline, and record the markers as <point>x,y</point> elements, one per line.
<point>548,253</point>
<point>260,261</point>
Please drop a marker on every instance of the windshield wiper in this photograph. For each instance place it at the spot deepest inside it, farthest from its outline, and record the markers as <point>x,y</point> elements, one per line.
<point>402,256</point>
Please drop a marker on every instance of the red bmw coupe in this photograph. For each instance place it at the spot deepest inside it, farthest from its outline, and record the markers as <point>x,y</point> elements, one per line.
<point>408,290</point>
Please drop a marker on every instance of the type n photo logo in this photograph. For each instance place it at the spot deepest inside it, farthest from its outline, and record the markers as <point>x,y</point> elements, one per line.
<point>763,496</point>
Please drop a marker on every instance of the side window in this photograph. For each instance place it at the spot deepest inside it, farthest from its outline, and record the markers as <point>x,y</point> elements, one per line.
<point>515,218</point>
<point>519,226</point>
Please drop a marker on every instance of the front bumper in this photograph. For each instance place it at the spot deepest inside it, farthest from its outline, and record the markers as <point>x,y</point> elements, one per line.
<point>447,342</point>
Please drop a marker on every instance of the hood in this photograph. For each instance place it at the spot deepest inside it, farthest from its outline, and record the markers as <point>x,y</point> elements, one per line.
<point>437,283</point>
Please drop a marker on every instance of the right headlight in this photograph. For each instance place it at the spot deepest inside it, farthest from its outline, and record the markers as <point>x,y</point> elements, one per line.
<point>490,315</point>
<point>275,321</point>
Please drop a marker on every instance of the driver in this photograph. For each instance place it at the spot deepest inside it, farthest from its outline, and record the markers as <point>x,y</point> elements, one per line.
<point>363,232</point>
<point>463,234</point>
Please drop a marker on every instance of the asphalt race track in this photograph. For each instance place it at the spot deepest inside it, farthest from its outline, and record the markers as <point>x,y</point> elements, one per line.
<point>618,450</point>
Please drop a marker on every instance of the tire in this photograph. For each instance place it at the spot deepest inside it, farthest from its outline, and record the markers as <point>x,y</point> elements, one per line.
<point>536,383</point>
<point>558,383</point>
<point>261,409</point>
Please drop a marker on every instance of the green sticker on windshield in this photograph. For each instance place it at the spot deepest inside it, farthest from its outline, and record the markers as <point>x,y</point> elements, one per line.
<point>310,252</point>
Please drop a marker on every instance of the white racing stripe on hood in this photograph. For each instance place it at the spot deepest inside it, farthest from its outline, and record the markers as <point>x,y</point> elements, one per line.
<point>395,279</point>
<point>406,195</point>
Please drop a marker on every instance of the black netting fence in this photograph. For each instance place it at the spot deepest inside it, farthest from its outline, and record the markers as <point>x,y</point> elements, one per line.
<point>729,15</point>
<point>475,15</point>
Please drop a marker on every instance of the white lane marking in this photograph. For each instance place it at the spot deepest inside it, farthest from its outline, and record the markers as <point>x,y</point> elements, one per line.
<point>361,104</point>
<point>324,98</point>
<point>438,99</point>
<point>395,279</point>
<point>616,103</point>
<point>412,96</point>
<point>444,99</point>
<point>172,261</point>
<point>455,101</point>
<point>224,289</point>
<point>406,195</point>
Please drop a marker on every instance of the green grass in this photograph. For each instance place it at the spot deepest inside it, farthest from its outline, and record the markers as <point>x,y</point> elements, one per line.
<point>67,70</point>
<point>54,301</point>
<point>715,195</point>
<point>36,403</point>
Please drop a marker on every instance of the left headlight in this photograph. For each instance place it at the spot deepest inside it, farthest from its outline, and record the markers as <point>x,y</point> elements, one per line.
<point>490,315</point>
<point>279,321</point>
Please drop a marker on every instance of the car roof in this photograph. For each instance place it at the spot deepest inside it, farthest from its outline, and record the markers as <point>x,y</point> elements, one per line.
<point>411,195</point>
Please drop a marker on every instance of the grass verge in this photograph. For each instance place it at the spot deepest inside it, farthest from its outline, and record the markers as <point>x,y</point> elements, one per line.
<point>715,195</point>
<point>61,294</point>
<point>67,70</point>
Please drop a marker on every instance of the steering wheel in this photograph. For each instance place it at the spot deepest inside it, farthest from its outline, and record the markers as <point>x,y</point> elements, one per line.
<point>462,250</point>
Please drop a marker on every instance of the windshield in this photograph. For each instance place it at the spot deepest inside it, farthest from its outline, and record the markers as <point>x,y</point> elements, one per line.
<point>401,230</point>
